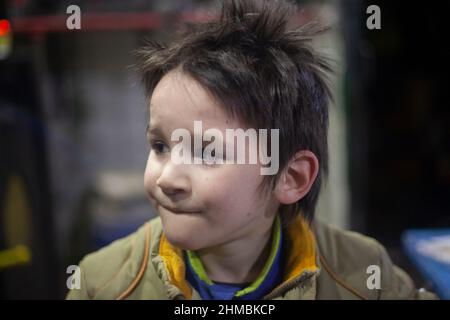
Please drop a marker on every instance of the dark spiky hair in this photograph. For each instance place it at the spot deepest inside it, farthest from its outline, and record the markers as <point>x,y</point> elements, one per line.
<point>260,71</point>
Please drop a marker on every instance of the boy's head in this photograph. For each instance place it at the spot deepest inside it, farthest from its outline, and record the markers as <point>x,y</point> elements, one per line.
<point>246,70</point>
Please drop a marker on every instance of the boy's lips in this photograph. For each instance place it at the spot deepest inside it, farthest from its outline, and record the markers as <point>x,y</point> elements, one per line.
<point>179,210</point>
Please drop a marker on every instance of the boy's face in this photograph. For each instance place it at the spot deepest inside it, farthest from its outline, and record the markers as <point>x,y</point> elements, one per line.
<point>200,205</point>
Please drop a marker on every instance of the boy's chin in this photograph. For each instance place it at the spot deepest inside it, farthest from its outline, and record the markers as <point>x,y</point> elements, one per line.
<point>187,242</point>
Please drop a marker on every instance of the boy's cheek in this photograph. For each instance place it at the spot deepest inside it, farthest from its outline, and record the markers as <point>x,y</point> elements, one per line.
<point>151,174</point>
<point>228,183</point>
<point>239,178</point>
<point>148,184</point>
<point>150,181</point>
<point>147,178</point>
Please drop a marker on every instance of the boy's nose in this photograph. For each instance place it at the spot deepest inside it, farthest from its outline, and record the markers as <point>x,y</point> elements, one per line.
<point>173,179</point>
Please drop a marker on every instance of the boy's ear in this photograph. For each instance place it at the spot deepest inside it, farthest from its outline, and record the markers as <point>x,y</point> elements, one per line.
<point>297,178</point>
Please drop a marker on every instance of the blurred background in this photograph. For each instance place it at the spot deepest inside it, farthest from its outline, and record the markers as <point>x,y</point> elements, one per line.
<point>73,119</point>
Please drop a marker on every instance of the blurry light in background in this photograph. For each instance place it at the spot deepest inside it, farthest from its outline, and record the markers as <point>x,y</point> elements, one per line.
<point>4,27</point>
<point>5,39</point>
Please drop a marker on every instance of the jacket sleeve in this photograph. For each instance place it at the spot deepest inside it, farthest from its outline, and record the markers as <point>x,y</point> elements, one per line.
<point>396,283</point>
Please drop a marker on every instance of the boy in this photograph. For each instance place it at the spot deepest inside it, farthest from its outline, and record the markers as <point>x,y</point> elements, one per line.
<point>225,230</point>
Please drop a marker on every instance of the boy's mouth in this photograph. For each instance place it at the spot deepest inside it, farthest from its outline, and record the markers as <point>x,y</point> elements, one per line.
<point>179,210</point>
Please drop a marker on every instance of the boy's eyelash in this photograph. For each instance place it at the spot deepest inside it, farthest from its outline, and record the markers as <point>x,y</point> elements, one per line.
<point>155,145</point>
<point>158,147</point>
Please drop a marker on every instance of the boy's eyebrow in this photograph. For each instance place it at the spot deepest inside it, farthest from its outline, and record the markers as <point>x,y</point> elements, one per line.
<point>154,130</point>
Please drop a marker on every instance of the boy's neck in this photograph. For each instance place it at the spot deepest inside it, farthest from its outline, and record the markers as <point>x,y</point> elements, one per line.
<point>238,261</point>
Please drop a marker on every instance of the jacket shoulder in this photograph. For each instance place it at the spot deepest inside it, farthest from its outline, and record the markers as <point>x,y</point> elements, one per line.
<point>106,273</point>
<point>342,249</point>
<point>357,266</point>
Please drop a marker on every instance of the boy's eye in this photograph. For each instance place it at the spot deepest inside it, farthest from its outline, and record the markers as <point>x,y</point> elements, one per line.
<point>159,147</point>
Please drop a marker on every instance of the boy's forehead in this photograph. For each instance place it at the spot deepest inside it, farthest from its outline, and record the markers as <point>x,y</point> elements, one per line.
<point>178,99</point>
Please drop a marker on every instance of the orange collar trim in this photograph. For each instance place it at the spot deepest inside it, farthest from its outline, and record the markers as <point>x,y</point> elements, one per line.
<point>175,266</point>
<point>300,248</point>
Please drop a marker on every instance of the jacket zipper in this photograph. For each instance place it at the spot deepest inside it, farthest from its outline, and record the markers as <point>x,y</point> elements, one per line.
<point>287,286</point>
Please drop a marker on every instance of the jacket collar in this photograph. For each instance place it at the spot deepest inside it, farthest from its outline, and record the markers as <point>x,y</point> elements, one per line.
<point>301,262</point>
